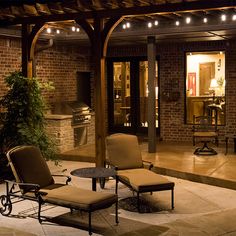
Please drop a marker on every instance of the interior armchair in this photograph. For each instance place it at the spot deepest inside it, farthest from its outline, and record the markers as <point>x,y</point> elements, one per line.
<point>33,181</point>
<point>205,131</point>
<point>124,154</point>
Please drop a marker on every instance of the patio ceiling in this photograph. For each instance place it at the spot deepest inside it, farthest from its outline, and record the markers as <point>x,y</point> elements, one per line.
<point>60,14</point>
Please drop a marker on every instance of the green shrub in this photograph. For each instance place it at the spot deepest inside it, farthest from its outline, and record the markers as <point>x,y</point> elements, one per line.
<point>23,121</point>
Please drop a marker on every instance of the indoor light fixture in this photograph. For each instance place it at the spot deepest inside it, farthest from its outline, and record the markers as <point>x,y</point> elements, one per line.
<point>177,23</point>
<point>77,29</point>
<point>58,31</point>
<point>234,17</point>
<point>128,25</point>
<point>73,28</point>
<point>49,30</point>
<point>205,19</point>
<point>124,26</point>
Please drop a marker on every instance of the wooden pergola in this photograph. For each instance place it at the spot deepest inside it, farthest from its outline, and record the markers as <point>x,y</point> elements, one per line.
<point>98,18</point>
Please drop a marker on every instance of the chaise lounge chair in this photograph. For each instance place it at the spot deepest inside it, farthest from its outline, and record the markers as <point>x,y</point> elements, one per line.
<point>36,183</point>
<point>124,154</point>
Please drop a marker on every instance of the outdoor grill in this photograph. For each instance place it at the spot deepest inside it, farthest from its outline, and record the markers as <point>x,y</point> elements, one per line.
<point>81,118</point>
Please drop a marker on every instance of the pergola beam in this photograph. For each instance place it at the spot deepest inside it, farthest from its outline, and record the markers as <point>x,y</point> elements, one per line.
<point>125,11</point>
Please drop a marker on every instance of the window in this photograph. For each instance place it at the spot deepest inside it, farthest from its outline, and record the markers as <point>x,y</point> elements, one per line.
<point>205,85</point>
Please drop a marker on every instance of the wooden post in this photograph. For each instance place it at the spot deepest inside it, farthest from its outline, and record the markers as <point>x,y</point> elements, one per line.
<point>151,95</point>
<point>27,69</point>
<point>99,74</point>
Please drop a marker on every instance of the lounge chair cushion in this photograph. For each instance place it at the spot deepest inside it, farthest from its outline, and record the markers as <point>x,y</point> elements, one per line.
<point>205,134</point>
<point>144,180</point>
<point>123,151</point>
<point>78,198</point>
<point>30,158</point>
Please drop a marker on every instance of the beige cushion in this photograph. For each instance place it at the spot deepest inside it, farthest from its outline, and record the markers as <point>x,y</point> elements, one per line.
<point>205,134</point>
<point>123,151</point>
<point>78,198</point>
<point>30,166</point>
<point>144,180</point>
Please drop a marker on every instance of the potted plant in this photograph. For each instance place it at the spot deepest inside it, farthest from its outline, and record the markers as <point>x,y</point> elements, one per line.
<point>22,117</point>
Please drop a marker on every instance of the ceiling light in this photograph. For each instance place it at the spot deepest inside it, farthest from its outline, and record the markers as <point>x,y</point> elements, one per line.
<point>188,20</point>
<point>177,23</point>
<point>149,24</point>
<point>156,22</point>
<point>49,30</point>
<point>58,31</point>
<point>223,17</point>
<point>234,17</point>
<point>124,26</point>
<point>77,29</point>
<point>73,28</point>
<point>205,20</point>
<point>128,25</point>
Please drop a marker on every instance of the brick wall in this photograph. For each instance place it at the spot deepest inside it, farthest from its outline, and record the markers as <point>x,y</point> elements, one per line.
<point>10,59</point>
<point>60,64</point>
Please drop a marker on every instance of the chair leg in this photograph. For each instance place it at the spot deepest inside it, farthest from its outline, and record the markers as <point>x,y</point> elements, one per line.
<point>117,220</point>
<point>116,191</point>
<point>39,211</point>
<point>138,202</point>
<point>90,225</point>
<point>172,199</point>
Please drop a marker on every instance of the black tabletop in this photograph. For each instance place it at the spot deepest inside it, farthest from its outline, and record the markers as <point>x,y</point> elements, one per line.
<point>94,172</point>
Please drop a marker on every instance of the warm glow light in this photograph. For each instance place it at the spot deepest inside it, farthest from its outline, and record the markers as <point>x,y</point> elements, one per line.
<point>234,17</point>
<point>73,28</point>
<point>77,29</point>
<point>128,25</point>
<point>124,26</point>
<point>223,17</point>
<point>205,20</point>
<point>58,31</point>
<point>177,23</point>
<point>188,20</point>
<point>49,30</point>
<point>156,22</point>
<point>149,25</point>
<point>221,52</point>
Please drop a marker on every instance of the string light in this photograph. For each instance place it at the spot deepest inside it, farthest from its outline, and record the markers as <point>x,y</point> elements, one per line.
<point>128,25</point>
<point>177,23</point>
<point>124,26</point>
<point>49,30</point>
<point>156,22</point>
<point>205,20</point>
<point>77,29</point>
<point>223,17</point>
<point>149,25</point>
<point>188,20</point>
<point>234,17</point>
<point>73,28</point>
<point>58,31</point>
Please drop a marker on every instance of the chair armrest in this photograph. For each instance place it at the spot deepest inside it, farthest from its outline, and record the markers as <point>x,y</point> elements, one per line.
<point>150,164</point>
<point>36,186</point>
<point>64,176</point>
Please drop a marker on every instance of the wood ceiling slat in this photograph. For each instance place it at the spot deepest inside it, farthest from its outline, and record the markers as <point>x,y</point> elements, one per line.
<point>42,9</point>
<point>7,13</point>
<point>55,8</point>
<point>70,6</point>
<point>30,10</point>
<point>18,11</point>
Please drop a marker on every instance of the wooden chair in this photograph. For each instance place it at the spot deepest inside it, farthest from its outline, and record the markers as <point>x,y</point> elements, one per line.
<point>205,131</point>
<point>36,183</point>
<point>124,154</point>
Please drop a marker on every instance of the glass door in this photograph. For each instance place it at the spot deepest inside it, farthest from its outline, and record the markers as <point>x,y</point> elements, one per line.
<point>143,93</point>
<point>128,95</point>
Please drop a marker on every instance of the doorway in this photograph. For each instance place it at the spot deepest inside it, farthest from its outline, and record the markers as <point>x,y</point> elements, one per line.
<point>128,95</point>
<point>207,72</point>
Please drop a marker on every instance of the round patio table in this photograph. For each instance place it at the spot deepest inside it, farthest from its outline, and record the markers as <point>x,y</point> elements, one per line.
<point>94,173</point>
